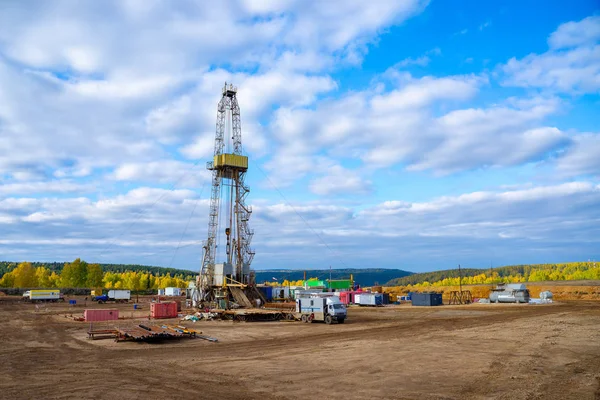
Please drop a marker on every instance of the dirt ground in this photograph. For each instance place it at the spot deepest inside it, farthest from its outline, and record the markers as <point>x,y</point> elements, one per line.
<point>396,352</point>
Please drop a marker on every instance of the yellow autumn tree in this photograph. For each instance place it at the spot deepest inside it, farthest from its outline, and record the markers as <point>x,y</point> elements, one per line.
<point>24,276</point>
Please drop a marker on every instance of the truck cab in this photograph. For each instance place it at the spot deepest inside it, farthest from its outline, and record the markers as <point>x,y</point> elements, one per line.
<point>336,309</point>
<point>101,299</point>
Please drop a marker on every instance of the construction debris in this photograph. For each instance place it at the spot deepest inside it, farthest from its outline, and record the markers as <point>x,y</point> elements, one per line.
<point>144,333</point>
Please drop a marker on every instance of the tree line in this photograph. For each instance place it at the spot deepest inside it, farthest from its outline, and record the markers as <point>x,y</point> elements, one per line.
<point>510,274</point>
<point>80,274</point>
<point>55,266</point>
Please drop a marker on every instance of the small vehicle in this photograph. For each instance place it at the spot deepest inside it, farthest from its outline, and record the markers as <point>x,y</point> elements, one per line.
<point>53,295</point>
<point>118,296</point>
<point>327,309</point>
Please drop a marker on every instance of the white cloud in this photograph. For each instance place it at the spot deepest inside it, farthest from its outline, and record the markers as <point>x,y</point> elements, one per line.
<point>87,86</point>
<point>101,96</point>
<point>54,186</point>
<point>421,61</point>
<point>572,65</point>
<point>340,180</point>
<point>583,157</point>
<point>165,171</point>
<point>91,37</point>
<point>485,25</point>
<point>573,34</point>
<point>384,128</point>
<point>142,224</point>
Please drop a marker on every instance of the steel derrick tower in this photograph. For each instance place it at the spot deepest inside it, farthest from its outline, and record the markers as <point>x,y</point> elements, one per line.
<point>227,201</point>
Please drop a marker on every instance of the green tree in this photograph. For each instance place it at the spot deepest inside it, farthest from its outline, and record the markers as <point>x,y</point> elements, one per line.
<point>74,274</point>
<point>94,276</point>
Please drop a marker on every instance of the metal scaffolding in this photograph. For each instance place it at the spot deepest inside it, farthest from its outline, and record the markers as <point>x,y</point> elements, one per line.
<point>228,168</point>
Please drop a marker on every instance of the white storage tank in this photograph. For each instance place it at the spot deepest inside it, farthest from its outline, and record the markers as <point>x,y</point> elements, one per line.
<point>546,295</point>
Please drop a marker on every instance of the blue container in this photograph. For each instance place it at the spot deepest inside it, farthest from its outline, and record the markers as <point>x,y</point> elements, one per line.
<point>72,301</point>
<point>266,291</point>
<point>135,306</point>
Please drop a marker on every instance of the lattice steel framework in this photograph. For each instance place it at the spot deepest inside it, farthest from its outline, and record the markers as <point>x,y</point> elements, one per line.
<point>228,172</point>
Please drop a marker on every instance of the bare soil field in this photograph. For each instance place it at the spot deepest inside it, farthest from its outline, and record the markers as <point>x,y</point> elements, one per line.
<point>397,352</point>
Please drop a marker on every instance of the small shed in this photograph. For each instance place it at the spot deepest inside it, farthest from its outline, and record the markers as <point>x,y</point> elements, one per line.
<point>426,299</point>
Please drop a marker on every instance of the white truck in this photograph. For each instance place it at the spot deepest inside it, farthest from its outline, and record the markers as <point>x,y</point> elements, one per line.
<point>43,295</point>
<point>118,296</point>
<point>327,309</point>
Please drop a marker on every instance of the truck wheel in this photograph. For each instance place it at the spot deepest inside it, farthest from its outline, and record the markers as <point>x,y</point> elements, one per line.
<point>328,319</point>
<point>341,320</point>
<point>304,318</point>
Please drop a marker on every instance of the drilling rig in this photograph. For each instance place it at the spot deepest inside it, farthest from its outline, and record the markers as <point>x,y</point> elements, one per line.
<point>225,275</point>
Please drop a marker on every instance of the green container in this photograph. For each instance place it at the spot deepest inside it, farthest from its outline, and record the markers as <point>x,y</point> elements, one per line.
<point>340,284</point>
<point>315,283</point>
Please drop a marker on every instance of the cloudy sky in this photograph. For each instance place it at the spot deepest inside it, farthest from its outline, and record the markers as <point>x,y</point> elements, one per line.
<point>402,134</point>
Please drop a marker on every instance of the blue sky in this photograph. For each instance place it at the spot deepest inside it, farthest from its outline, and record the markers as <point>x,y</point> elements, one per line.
<point>407,134</point>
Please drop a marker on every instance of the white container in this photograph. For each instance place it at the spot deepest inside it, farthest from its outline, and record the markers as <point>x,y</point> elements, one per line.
<point>119,294</point>
<point>281,292</point>
<point>366,299</point>
<point>161,292</point>
<point>172,291</point>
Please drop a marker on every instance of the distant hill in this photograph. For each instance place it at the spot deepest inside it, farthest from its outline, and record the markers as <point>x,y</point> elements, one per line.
<point>363,276</point>
<point>435,276</point>
<point>577,270</point>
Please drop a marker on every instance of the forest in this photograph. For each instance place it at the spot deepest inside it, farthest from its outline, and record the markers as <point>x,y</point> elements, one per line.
<point>510,274</point>
<point>80,274</point>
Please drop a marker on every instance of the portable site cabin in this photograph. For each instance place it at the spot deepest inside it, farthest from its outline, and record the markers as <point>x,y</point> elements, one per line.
<point>426,299</point>
<point>368,299</point>
<point>281,292</point>
<point>172,291</point>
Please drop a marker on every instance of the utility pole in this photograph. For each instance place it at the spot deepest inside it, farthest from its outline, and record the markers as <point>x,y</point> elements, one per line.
<point>305,284</point>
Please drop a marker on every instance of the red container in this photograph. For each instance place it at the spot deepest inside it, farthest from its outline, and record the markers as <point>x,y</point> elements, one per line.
<point>345,297</point>
<point>351,295</point>
<point>163,310</point>
<point>100,315</point>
